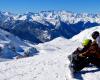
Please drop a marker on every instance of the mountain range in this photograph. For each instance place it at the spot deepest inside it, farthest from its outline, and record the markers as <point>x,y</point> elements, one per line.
<point>47,25</point>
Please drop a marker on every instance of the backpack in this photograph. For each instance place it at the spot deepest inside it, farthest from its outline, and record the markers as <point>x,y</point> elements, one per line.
<point>98,41</point>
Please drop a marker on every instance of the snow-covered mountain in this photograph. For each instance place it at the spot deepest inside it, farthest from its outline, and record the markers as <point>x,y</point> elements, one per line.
<point>54,17</point>
<point>52,62</point>
<point>12,46</point>
<point>47,25</point>
<point>38,28</point>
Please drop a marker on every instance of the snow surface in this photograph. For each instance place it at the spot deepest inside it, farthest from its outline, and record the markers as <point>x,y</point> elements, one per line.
<point>51,64</point>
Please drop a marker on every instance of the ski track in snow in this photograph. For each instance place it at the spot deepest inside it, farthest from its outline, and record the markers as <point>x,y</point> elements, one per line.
<point>51,64</point>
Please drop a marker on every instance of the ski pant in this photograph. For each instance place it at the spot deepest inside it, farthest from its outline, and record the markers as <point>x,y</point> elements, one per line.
<point>80,64</point>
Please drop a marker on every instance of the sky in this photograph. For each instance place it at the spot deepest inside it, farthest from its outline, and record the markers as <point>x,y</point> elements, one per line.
<point>23,6</point>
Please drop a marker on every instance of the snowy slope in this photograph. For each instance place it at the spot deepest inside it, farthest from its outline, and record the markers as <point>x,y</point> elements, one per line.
<point>12,46</point>
<point>51,65</point>
<point>85,34</point>
<point>48,66</point>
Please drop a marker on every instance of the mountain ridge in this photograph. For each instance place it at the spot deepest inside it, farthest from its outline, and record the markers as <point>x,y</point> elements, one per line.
<point>47,25</point>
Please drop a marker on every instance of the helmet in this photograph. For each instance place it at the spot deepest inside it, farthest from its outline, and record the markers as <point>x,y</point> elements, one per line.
<point>95,34</point>
<point>86,42</point>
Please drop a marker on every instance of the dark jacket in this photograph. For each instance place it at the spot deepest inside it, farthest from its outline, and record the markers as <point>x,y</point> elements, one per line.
<point>75,58</point>
<point>94,52</point>
<point>91,51</point>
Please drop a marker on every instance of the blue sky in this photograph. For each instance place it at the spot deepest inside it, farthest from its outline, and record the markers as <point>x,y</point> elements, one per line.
<point>22,6</point>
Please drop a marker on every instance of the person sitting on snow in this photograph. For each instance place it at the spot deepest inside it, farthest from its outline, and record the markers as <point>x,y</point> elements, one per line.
<point>94,51</point>
<point>78,62</point>
<point>89,55</point>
